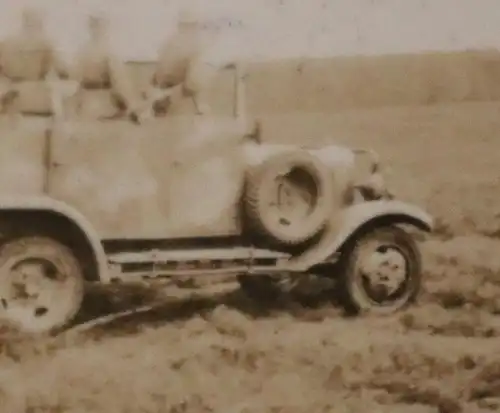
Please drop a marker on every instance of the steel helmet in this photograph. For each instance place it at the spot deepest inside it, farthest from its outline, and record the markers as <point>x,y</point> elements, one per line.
<point>32,17</point>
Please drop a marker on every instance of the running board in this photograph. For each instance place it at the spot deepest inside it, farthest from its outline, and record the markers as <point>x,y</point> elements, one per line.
<point>195,261</point>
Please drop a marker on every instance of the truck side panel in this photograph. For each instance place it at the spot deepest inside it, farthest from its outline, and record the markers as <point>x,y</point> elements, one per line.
<point>22,155</point>
<point>162,179</point>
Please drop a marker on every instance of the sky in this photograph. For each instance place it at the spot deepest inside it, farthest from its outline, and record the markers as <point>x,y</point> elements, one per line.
<point>264,29</point>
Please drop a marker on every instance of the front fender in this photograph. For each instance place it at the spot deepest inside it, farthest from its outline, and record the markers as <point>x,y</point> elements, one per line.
<point>50,205</point>
<point>354,218</point>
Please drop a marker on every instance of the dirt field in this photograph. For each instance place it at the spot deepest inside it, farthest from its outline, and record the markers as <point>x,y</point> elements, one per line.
<point>226,354</point>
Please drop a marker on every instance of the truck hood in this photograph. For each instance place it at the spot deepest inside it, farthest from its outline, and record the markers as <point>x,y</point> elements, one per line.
<point>344,162</point>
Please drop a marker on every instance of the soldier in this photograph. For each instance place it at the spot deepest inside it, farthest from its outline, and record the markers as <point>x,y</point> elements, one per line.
<point>27,57</point>
<point>183,68</point>
<point>98,68</point>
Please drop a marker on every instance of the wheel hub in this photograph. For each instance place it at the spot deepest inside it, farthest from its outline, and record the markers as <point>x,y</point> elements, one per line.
<point>295,196</point>
<point>32,290</point>
<point>383,270</point>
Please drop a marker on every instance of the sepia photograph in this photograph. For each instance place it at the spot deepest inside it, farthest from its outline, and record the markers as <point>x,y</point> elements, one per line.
<point>235,206</point>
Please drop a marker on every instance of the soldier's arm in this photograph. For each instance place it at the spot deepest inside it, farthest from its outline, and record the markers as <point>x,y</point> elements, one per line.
<point>76,70</point>
<point>121,81</point>
<point>200,74</point>
<point>57,63</point>
<point>202,70</point>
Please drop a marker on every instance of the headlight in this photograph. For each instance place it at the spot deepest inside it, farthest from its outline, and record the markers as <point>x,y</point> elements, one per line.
<point>373,157</point>
<point>374,187</point>
<point>360,182</point>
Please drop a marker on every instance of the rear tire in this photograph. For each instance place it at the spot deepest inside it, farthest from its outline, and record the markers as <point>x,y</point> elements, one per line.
<point>41,284</point>
<point>381,272</point>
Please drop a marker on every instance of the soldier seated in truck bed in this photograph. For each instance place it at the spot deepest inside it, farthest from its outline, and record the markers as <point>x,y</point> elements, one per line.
<point>99,70</point>
<point>26,59</point>
<point>183,69</point>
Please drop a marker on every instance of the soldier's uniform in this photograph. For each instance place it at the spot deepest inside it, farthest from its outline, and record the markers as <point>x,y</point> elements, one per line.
<point>106,89</point>
<point>26,59</point>
<point>183,64</point>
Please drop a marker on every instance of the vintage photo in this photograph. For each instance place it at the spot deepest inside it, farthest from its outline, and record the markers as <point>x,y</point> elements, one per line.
<point>249,207</point>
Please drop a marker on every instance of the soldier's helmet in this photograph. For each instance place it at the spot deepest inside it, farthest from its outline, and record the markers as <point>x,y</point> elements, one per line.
<point>32,18</point>
<point>98,22</point>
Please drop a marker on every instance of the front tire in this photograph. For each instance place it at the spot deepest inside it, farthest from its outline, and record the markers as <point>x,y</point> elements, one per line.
<point>381,272</point>
<point>41,284</point>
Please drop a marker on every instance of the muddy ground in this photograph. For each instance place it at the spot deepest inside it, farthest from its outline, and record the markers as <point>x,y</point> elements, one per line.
<point>224,353</point>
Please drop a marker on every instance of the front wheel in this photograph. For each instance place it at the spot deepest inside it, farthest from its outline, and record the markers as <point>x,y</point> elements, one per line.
<point>381,271</point>
<point>41,284</point>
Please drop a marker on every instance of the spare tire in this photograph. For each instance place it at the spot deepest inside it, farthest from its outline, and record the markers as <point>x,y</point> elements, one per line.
<point>289,198</point>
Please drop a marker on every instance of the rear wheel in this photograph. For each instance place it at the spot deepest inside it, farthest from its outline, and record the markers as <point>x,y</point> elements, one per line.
<point>41,284</point>
<point>381,271</point>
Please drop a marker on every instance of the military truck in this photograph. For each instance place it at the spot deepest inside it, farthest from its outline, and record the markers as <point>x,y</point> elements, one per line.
<point>191,196</point>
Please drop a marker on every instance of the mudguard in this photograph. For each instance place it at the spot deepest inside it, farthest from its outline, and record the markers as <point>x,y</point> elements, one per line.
<point>353,218</point>
<point>50,205</point>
